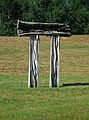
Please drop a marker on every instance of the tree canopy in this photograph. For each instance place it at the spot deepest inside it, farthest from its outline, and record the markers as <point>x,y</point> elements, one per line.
<point>72,12</point>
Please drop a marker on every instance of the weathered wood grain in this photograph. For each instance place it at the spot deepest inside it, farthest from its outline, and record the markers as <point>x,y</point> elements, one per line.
<point>54,61</point>
<point>33,61</point>
<point>55,31</point>
<point>37,28</point>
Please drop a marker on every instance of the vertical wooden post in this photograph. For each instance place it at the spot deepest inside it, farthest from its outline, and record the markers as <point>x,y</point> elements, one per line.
<point>33,61</point>
<point>54,61</point>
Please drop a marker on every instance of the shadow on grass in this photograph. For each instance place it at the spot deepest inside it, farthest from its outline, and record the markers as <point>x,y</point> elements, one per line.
<point>74,84</point>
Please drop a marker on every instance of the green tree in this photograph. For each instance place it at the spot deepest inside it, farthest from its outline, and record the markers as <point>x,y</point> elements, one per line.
<point>78,16</point>
<point>10,11</point>
<point>73,12</point>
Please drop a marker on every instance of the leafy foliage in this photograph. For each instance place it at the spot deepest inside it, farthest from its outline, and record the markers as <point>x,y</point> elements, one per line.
<point>73,12</point>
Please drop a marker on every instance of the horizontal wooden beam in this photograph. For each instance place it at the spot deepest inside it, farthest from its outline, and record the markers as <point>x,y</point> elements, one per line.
<point>65,34</point>
<point>34,28</point>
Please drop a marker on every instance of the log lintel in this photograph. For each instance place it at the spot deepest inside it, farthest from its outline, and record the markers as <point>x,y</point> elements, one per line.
<point>38,28</point>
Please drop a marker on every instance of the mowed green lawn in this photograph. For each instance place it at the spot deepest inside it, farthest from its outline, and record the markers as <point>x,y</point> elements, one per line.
<point>68,102</point>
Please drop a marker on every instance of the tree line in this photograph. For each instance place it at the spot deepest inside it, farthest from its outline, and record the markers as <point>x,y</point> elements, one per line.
<point>72,12</point>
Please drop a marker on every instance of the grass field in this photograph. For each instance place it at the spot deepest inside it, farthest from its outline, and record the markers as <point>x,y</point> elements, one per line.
<point>69,102</point>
